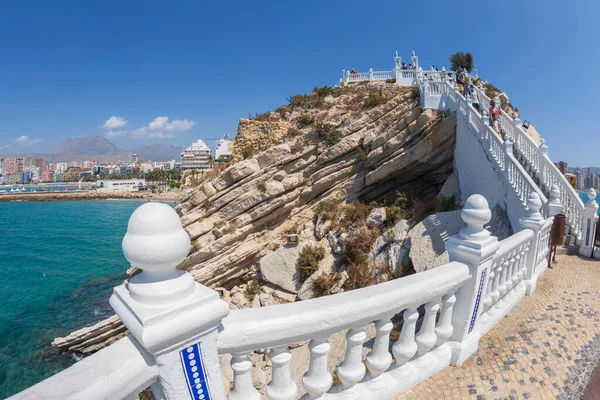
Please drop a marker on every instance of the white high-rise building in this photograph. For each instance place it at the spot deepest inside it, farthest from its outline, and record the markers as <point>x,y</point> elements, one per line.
<point>224,149</point>
<point>197,156</point>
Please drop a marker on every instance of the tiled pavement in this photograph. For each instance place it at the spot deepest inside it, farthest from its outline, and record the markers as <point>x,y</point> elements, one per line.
<point>547,347</point>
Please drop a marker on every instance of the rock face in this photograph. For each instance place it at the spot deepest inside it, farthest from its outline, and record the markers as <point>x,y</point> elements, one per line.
<point>93,338</point>
<point>279,268</point>
<point>248,210</point>
<point>427,239</point>
<point>256,135</point>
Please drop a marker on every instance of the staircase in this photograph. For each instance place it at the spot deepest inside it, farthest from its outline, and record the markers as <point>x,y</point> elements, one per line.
<point>523,164</point>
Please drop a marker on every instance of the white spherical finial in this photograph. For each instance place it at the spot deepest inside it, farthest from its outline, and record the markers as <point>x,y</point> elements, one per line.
<point>591,193</point>
<point>155,241</point>
<point>475,214</point>
<point>534,203</point>
<point>554,194</point>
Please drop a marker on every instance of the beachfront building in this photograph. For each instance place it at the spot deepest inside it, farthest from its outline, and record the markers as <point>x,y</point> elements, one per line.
<point>125,185</point>
<point>224,149</point>
<point>197,156</point>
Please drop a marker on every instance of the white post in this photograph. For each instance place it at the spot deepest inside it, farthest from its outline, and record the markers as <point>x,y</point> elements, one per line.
<point>345,76</point>
<point>534,221</point>
<point>543,153</point>
<point>554,205</point>
<point>474,246</point>
<point>415,60</point>
<point>590,217</point>
<point>398,61</point>
<point>174,318</point>
<point>508,149</point>
<point>398,68</point>
<point>370,74</point>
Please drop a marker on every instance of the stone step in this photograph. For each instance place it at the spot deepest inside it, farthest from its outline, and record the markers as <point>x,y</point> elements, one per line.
<point>569,240</point>
<point>571,249</point>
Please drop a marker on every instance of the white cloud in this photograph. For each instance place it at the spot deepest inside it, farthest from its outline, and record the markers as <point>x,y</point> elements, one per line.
<point>4,146</point>
<point>162,128</point>
<point>114,122</point>
<point>26,141</point>
<point>112,134</point>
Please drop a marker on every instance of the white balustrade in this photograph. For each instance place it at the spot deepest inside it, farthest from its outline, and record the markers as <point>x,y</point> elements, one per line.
<point>352,370</point>
<point>242,377</point>
<point>379,359</point>
<point>426,337</point>
<point>281,386</point>
<point>317,380</point>
<point>444,328</point>
<point>406,347</point>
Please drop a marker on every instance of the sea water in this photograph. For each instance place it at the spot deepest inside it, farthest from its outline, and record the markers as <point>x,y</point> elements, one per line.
<point>584,198</point>
<point>58,264</point>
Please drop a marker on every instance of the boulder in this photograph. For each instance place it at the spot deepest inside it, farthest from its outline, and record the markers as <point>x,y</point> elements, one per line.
<point>279,294</point>
<point>337,241</point>
<point>376,217</point>
<point>398,258</point>
<point>279,268</point>
<point>322,226</point>
<point>427,239</point>
<point>398,233</point>
<point>238,299</point>
<point>266,300</point>
<point>256,301</point>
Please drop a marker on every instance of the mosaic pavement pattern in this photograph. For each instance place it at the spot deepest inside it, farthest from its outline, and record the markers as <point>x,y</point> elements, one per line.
<point>547,347</point>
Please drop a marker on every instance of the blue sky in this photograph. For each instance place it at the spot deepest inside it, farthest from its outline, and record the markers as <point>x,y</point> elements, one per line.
<point>66,67</point>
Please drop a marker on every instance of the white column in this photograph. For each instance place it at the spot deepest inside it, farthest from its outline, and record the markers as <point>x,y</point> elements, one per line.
<point>508,149</point>
<point>242,378</point>
<point>370,74</point>
<point>352,370</point>
<point>415,60</point>
<point>590,217</point>
<point>474,246</point>
<point>543,153</point>
<point>426,337</point>
<point>534,221</point>
<point>444,327</point>
<point>405,347</point>
<point>554,205</point>
<point>379,359</point>
<point>281,386</point>
<point>317,380</point>
<point>345,75</point>
<point>173,318</point>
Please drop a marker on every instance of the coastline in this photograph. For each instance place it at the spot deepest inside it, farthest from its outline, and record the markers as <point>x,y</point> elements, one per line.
<point>88,195</point>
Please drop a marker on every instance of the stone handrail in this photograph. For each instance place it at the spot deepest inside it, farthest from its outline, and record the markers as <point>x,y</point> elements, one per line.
<point>178,327</point>
<point>508,268</point>
<point>498,150</point>
<point>537,161</point>
<point>266,327</point>
<point>119,371</point>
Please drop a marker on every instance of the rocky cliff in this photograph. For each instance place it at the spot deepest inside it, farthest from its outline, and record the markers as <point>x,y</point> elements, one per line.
<point>365,142</point>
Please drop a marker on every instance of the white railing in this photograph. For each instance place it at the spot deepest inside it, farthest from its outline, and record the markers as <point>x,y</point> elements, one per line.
<point>316,320</point>
<point>178,327</point>
<point>535,160</point>
<point>508,268</point>
<point>119,371</point>
<point>383,75</point>
<point>358,77</point>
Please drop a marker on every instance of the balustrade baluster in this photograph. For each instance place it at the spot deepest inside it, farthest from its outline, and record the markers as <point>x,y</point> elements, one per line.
<point>496,285</point>
<point>523,255</point>
<point>352,370</point>
<point>243,389</point>
<point>426,337</point>
<point>444,327</point>
<point>515,274</point>
<point>317,380</point>
<point>510,271</point>
<point>406,347</point>
<point>281,386</point>
<point>502,281</point>
<point>487,302</point>
<point>379,359</point>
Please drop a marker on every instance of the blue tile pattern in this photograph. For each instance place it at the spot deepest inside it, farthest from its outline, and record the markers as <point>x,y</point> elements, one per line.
<point>195,375</point>
<point>476,308</point>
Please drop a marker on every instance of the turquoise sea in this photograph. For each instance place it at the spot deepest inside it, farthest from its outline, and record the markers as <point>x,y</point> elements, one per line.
<point>58,262</point>
<point>584,198</point>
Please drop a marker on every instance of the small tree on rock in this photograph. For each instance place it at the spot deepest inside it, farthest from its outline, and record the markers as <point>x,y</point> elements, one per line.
<point>460,60</point>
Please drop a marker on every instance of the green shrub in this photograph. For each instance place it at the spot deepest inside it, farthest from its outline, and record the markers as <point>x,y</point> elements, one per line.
<point>252,289</point>
<point>322,285</point>
<point>328,208</point>
<point>448,203</point>
<point>322,91</point>
<point>262,186</point>
<point>308,261</point>
<point>356,212</point>
<point>360,155</point>
<point>322,129</point>
<point>461,60</point>
<point>299,100</point>
<point>393,214</point>
<point>392,80</point>
<point>248,151</point>
<point>332,138</point>
<point>375,98</point>
<point>260,117</point>
<point>356,258</point>
<point>219,224</point>
<point>293,132</point>
<point>297,147</point>
<point>306,119</point>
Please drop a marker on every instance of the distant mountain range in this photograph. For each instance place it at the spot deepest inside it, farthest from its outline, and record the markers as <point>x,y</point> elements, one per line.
<point>98,148</point>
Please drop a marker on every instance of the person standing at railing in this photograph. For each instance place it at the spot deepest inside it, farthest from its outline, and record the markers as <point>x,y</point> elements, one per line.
<point>475,98</point>
<point>404,65</point>
<point>495,114</point>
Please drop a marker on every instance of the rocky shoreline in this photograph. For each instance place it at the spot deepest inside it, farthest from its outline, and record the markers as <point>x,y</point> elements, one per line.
<point>86,195</point>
